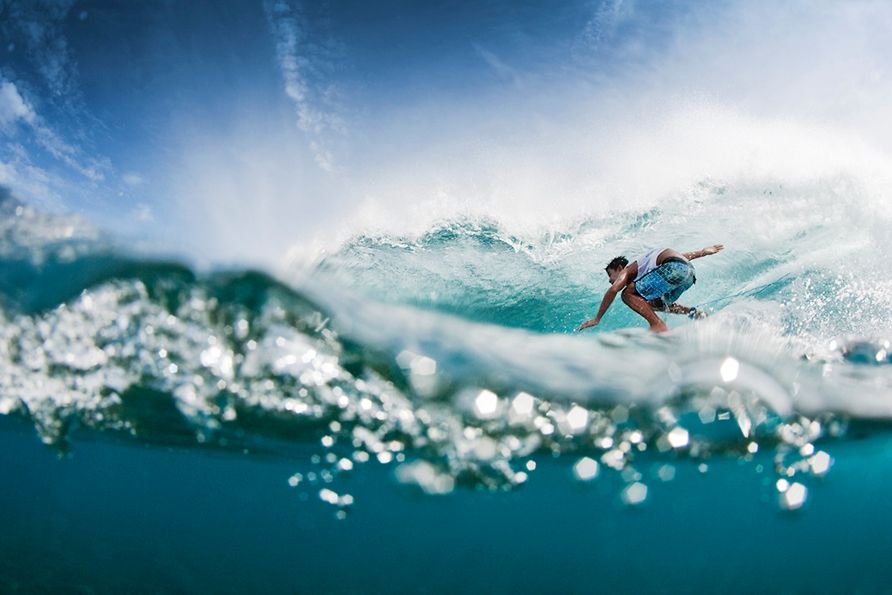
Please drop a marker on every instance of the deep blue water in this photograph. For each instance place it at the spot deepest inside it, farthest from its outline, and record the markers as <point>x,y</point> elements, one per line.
<point>117,517</point>
<point>415,414</point>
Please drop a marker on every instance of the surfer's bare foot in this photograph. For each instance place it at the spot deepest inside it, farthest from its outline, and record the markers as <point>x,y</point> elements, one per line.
<point>659,328</point>
<point>696,314</point>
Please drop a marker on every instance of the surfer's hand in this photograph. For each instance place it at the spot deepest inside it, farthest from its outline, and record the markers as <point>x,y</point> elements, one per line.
<point>586,324</point>
<point>713,249</point>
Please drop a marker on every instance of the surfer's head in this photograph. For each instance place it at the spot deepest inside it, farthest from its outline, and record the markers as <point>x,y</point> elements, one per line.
<point>615,267</point>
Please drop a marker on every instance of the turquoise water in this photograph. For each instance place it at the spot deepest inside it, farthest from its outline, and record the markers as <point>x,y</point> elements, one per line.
<point>411,412</point>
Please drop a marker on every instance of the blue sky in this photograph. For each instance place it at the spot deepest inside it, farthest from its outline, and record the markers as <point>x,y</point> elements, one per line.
<point>102,100</point>
<point>205,120</point>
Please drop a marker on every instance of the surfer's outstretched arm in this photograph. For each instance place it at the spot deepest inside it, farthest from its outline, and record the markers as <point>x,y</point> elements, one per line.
<point>708,251</point>
<point>609,296</point>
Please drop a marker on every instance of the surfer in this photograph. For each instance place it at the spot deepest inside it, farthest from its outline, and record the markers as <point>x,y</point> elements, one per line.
<point>652,283</point>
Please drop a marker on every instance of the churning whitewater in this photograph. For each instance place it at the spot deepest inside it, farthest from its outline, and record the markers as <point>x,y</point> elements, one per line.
<point>450,354</point>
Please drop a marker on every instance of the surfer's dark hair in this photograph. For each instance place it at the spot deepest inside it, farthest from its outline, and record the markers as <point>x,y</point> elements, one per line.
<point>619,262</point>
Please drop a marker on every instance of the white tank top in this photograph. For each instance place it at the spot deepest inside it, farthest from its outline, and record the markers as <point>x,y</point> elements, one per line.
<point>648,262</point>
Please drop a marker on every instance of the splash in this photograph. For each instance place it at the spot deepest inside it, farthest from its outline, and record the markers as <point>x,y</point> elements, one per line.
<point>159,354</point>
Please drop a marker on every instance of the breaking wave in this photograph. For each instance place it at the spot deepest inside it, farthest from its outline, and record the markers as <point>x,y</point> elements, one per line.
<point>450,354</point>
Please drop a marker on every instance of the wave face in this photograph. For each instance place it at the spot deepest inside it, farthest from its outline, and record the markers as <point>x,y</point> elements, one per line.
<point>450,353</point>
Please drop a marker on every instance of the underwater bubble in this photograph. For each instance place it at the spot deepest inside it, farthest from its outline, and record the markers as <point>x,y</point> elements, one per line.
<point>7,405</point>
<point>630,475</point>
<point>635,494</point>
<point>577,418</point>
<point>485,448</point>
<point>620,414</point>
<point>678,437</point>
<point>782,485</point>
<point>345,464</point>
<point>423,366</point>
<point>523,404</point>
<point>531,465</point>
<point>614,458</point>
<point>486,403</point>
<point>666,472</point>
<point>820,462</point>
<point>328,496</point>
<point>729,370</point>
<point>752,447</point>
<point>794,496</point>
<point>405,358</point>
<point>586,469</point>
<point>426,476</point>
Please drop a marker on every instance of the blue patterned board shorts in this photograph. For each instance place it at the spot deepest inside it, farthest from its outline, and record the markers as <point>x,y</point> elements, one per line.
<point>666,282</point>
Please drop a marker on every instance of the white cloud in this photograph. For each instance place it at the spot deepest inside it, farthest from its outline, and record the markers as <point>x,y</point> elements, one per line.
<point>498,65</point>
<point>606,19</point>
<point>133,179</point>
<point>38,28</point>
<point>13,107</point>
<point>92,169</point>
<point>298,60</point>
<point>28,180</point>
<point>39,25</point>
<point>144,213</point>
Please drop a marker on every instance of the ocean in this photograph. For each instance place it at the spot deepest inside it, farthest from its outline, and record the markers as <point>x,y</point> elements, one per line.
<point>413,411</point>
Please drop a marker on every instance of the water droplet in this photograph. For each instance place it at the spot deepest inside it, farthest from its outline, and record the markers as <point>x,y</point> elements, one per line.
<point>666,472</point>
<point>729,370</point>
<point>577,418</point>
<point>523,404</point>
<point>794,496</point>
<point>635,494</point>
<point>585,469</point>
<point>486,403</point>
<point>678,437</point>
<point>820,463</point>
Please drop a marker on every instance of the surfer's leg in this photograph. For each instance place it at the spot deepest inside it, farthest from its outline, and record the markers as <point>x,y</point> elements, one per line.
<point>640,306</point>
